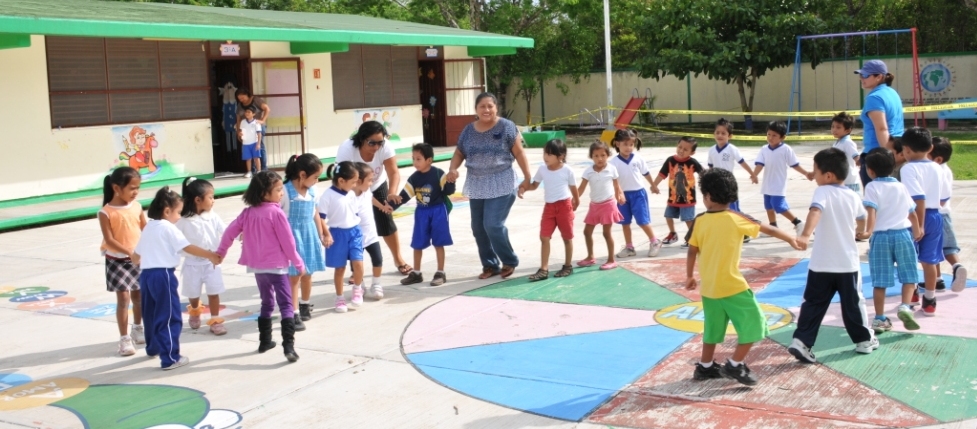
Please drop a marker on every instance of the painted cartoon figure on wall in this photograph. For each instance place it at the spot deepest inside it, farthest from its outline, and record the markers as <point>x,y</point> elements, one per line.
<point>139,149</point>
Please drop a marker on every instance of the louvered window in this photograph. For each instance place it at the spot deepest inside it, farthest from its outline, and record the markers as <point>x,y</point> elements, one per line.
<point>95,81</point>
<point>370,76</point>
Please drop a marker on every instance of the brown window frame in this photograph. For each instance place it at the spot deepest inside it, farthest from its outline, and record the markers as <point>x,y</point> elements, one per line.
<point>160,89</point>
<point>396,95</point>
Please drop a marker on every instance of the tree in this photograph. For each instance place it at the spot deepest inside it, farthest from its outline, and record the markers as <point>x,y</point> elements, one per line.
<point>735,41</point>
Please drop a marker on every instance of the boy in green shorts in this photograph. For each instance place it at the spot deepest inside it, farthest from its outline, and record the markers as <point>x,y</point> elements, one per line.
<point>718,235</point>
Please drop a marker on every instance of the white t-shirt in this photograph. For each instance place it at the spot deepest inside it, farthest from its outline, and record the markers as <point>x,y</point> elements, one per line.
<point>556,184</point>
<point>847,145</point>
<point>924,180</point>
<point>835,251</point>
<point>632,171</point>
<point>341,208</point>
<point>726,158</point>
<point>250,131</point>
<point>160,245</point>
<point>347,152</point>
<point>892,203</point>
<point>775,162</point>
<point>601,183</point>
<point>368,225</point>
<point>947,191</point>
<point>204,231</point>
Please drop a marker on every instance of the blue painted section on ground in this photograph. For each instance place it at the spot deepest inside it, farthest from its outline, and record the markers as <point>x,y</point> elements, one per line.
<point>563,377</point>
<point>787,290</point>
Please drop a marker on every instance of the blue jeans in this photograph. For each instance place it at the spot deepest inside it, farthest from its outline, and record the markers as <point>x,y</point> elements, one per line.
<point>264,160</point>
<point>491,235</point>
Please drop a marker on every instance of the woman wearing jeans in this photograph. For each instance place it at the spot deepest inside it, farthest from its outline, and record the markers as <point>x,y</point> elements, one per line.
<point>488,146</point>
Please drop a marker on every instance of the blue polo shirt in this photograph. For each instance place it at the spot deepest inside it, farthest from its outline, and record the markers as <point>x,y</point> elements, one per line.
<point>885,99</point>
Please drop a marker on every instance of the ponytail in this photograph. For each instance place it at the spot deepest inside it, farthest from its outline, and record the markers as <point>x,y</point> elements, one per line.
<point>345,170</point>
<point>193,188</point>
<point>120,177</point>
<point>307,162</point>
<point>889,78</point>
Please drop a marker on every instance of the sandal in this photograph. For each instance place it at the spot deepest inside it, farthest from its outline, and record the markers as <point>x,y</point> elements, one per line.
<point>405,269</point>
<point>487,272</point>
<point>565,271</point>
<point>507,271</point>
<point>541,274</point>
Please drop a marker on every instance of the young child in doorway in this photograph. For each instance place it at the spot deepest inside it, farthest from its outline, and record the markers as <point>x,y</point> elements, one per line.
<point>299,204</point>
<point>725,156</point>
<point>343,238</point>
<point>834,264</point>
<point>562,200</point>
<point>202,228</point>
<point>158,254</point>
<point>122,220</point>
<point>940,154</point>
<point>605,196</point>
<point>430,187</point>
<point>716,240</point>
<point>680,170</point>
<point>632,168</point>
<point>891,214</point>
<point>268,250</point>
<point>250,141</point>
<point>773,160</point>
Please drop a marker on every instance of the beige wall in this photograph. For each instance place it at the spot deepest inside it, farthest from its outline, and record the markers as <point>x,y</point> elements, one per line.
<point>832,87</point>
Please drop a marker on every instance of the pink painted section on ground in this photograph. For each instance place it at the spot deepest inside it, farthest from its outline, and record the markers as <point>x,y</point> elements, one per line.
<point>464,321</point>
<point>789,394</point>
<point>955,314</point>
<point>670,273</point>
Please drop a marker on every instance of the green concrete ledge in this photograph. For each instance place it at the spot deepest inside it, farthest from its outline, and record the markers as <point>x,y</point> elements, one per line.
<point>37,220</point>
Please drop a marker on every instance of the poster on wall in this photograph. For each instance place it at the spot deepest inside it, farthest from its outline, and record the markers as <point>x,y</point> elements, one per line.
<point>389,117</point>
<point>138,147</point>
<point>938,79</point>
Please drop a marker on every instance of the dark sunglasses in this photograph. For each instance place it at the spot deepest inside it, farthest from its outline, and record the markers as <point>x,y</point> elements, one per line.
<point>374,143</point>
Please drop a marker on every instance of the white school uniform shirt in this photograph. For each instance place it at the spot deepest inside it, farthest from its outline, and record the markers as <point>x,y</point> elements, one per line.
<point>835,251</point>
<point>341,208</point>
<point>631,171</point>
<point>601,183</point>
<point>775,162</point>
<point>348,152</point>
<point>891,202</point>
<point>368,224</point>
<point>924,180</point>
<point>847,145</point>
<point>725,158</point>
<point>556,184</point>
<point>947,190</point>
<point>250,131</point>
<point>204,231</point>
<point>160,245</point>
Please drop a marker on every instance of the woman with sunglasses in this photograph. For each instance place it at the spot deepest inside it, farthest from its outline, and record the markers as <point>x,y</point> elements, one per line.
<point>882,113</point>
<point>369,146</point>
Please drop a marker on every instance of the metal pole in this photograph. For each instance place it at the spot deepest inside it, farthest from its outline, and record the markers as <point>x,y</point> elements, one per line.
<point>607,60</point>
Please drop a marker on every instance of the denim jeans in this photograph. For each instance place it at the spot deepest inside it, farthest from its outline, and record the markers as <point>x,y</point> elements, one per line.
<point>264,160</point>
<point>491,235</point>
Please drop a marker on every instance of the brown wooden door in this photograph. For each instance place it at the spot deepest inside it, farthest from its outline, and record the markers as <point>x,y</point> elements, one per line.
<point>431,83</point>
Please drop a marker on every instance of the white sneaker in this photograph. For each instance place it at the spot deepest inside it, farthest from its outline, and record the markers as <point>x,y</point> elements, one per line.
<point>799,229</point>
<point>654,248</point>
<point>125,346</point>
<point>357,298</point>
<point>247,175</point>
<point>182,362</point>
<point>341,304</point>
<point>626,252</point>
<point>866,347</point>
<point>138,334</point>
<point>376,291</point>
<point>801,352</point>
<point>959,278</point>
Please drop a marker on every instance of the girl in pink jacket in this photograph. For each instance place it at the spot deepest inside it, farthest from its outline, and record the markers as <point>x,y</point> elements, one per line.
<point>268,249</point>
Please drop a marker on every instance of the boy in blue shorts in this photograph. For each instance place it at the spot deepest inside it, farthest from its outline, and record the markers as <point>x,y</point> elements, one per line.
<point>251,139</point>
<point>430,187</point>
<point>924,180</point>
<point>940,154</point>
<point>680,170</point>
<point>773,160</point>
<point>891,214</point>
<point>716,238</point>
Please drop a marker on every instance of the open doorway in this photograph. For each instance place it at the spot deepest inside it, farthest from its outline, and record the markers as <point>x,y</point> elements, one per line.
<point>226,77</point>
<point>433,112</point>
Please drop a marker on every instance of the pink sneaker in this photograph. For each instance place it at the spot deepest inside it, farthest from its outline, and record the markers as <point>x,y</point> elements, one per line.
<point>357,299</point>
<point>586,262</point>
<point>609,266</point>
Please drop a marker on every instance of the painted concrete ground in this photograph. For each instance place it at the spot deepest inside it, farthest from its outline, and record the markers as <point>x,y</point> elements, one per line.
<point>607,349</point>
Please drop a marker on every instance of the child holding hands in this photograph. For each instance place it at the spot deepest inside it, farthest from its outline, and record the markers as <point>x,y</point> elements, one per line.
<point>605,196</point>
<point>562,199</point>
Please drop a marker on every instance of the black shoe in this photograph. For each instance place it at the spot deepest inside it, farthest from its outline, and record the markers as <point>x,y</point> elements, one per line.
<point>288,339</point>
<point>299,326</point>
<point>305,312</point>
<point>413,278</point>
<point>940,285</point>
<point>439,279</point>
<point>739,373</point>
<point>703,373</point>
<point>746,238</point>
<point>264,335</point>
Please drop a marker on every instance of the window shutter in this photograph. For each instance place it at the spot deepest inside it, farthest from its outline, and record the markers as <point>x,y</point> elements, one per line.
<point>406,89</point>
<point>347,79</point>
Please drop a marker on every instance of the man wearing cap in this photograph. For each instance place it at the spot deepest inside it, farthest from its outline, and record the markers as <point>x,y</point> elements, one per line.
<point>882,114</point>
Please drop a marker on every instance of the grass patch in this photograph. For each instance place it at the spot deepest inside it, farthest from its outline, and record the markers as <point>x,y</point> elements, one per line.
<point>964,162</point>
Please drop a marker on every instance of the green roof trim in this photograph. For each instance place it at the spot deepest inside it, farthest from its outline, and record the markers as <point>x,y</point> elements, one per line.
<point>298,48</point>
<point>489,51</point>
<point>90,18</point>
<point>9,40</point>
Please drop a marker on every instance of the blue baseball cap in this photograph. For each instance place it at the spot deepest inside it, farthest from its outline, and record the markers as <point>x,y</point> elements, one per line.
<point>873,67</point>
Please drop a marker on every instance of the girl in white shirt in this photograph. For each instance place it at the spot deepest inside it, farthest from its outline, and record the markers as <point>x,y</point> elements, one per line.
<point>368,226</point>
<point>605,195</point>
<point>562,200</point>
<point>202,228</point>
<point>343,238</point>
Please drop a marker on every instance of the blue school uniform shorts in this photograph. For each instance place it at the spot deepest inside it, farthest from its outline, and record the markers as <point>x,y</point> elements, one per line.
<point>431,227</point>
<point>347,245</point>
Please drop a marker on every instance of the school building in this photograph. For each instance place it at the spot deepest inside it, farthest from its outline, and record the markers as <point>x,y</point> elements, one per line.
<point>92,85</point>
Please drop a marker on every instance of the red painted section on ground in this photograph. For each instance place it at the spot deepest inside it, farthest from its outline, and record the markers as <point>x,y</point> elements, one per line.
<point>670,273</point>
<point>789,395</point>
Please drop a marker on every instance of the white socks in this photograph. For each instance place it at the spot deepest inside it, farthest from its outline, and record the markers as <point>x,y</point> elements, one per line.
<point>929,294</point>
<point>734,363</point>
<point>706,364</point>
<point>304,301</point>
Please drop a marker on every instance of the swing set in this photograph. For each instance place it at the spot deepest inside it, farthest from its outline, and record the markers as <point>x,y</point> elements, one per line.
<point>848,39</point>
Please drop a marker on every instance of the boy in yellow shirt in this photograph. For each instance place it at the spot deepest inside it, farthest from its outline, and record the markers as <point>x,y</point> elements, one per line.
<point>718,235</point>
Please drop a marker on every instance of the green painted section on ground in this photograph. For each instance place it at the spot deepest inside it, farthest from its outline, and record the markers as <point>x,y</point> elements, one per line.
<point>136,406</point>
<point>588,286</point>
<point>934,374</point>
